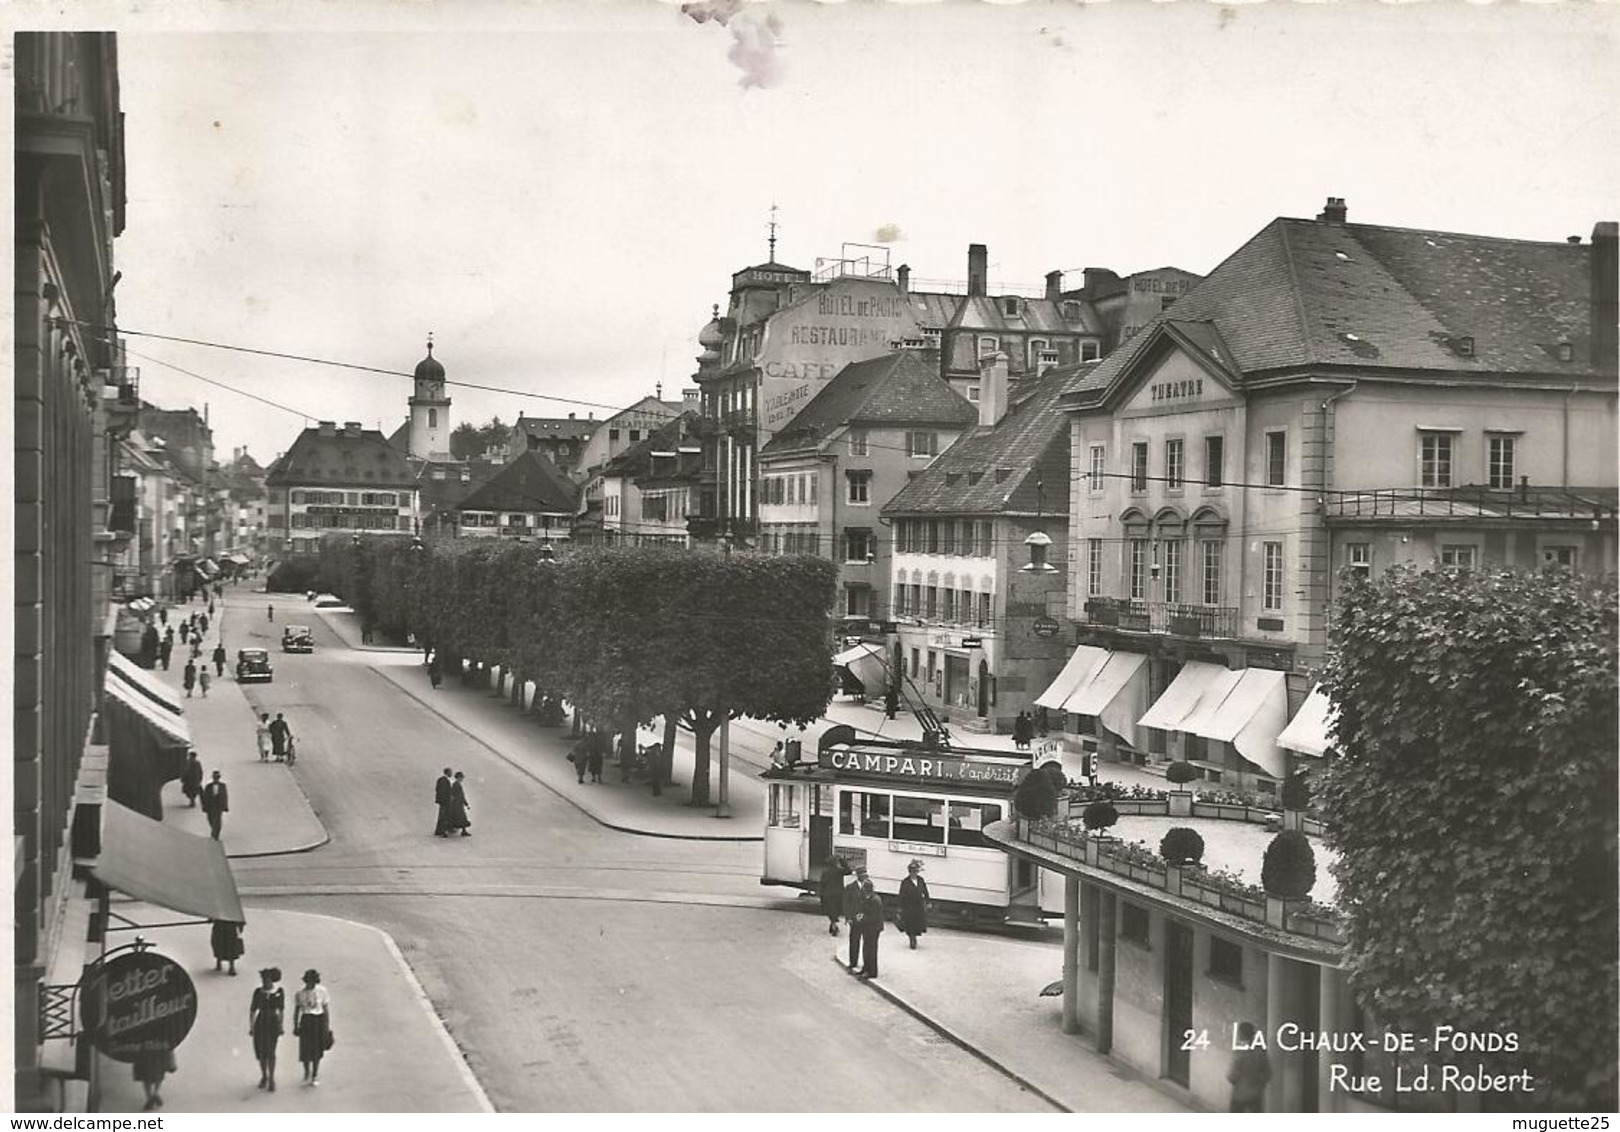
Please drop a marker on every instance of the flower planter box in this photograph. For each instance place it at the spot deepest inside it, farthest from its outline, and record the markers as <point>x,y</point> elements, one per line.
<point>1180,803</point>
<point>1172,880</point>
<point>1276,911</point>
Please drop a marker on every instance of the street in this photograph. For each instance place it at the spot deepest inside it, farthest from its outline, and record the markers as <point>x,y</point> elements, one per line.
<point>577,967</point>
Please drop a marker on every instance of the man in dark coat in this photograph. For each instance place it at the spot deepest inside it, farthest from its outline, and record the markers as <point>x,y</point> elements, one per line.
<point>219,659</point>
<point>869,921</point>
<point>189,677</point>
<point>216,803</point>
<point>852,910</point>
<point>831,890</point>
<point>149,647</point>
<point>166,649</point>
<point>279,734</point>
<point>191,779</point>
<point>442,798</point>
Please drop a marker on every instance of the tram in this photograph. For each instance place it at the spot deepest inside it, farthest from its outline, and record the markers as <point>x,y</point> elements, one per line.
<point>879,803</point>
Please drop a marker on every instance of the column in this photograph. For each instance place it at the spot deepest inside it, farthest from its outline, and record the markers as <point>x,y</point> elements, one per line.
<point>1108,933</point>
<point>1334,1016</point>
<point>1089,915</point>
<point>1071,953</point>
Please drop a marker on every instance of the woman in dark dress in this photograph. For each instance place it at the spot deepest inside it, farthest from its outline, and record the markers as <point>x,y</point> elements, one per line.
<point>226,939</point>
<point>456,812</point>
<point>265,1014</point>
<point>831,891</point>
<point>150,1067</point>
<point>312,1022</point>
<point>914,902</point>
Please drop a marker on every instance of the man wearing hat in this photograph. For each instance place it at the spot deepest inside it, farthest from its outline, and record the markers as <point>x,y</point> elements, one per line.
<point>853,898</point>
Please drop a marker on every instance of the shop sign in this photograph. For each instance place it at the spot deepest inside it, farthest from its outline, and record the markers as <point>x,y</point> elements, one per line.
<point>1048,752</point>
<point>1046,627</point>
<point>137,1002</point>
<point>918,765</point>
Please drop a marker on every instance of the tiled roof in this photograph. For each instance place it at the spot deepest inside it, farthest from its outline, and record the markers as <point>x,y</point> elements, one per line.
<point>636,460</point>
<point>442,493</point>
<point>557,428</point>
<point>362,460</point>
<point>529,483</point>
<point>894,389</point>
<point>997,469</point>
<point>1035,316</point>
<point>1305,293</point>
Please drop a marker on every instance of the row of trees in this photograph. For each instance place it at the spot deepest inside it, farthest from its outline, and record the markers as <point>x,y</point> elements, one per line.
<point>628,635</point>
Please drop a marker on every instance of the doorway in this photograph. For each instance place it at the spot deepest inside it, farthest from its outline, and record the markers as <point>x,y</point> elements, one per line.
<point>1178,994</point>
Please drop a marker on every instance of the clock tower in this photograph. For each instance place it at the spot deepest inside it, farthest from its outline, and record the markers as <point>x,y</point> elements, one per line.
<point>430,411</point>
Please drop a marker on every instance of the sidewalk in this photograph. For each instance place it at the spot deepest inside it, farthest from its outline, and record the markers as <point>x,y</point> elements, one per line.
<point>1001,1017</point>
<point>269,813</point>
<point>392,1053</point>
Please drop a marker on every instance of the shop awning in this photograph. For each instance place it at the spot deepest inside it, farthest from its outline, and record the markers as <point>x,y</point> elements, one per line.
<point>1085,662</point>
<point>1249,715</point>
<point>1308,731</point>
<point>120,667</point>
<point>207,567</point>
<point>167,722</point>
<point>160,865</point>
<point>865,663</point>
<point>1115,695</point>
<point>1196,680</point>
<point>236,559</point>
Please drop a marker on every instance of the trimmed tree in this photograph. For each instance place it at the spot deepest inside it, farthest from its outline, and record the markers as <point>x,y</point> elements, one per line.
<point>1099,816</point>
<point>1288,869</point>
<point>1182,845</point>
<point>1181,772</point>
<point>1036,797</point>
<point>1473,808</point>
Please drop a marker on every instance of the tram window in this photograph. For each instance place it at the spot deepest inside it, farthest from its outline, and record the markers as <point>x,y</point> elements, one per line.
<point>863,814</point>
<point>784,809</point>
<point>919,819</point>
<point>968,820</point>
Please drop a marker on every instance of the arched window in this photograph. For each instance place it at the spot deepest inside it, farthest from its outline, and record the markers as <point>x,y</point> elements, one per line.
<point>433,418</point>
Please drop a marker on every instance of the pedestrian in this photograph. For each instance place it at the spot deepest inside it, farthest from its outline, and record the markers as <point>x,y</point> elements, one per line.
<point>149,646</point>
<point>456,814</point>
<point>272,613</point>
<point>279,734</point>
<point>1023,731</point>
<point>151,1066</point>
<point>196,647</point>
<point>219,659</point>
<point>216,803</point>
<point>1040,721</point>
<point>580,757</point>
<point>191,779</point>
<point>166,648</point>
<point>598,741</point>
<point>852,909</point>
<point>442,797</point>
<point>870,921</point>
<point>189,677</point>
<point>914,902</point>
<point>203,680</point>
<point>210,607</point>
<point>831,890</point>
<point>891,702</point>
<point>312,1022</point>
<point>226,940</point>
<point>185,631</point>
<point>163,615</point>
<point>435,676</point>
<point>261,736</point>
<point>265,1014</point>
<point>202,626</point>
<point>1250,1072</point>
<point>365,632</point>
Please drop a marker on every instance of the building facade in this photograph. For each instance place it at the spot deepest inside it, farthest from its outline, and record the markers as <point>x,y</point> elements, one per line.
<point>333,480</point>
<point>1235,454</point>
<point>528,498</point>
<point>825,476</point>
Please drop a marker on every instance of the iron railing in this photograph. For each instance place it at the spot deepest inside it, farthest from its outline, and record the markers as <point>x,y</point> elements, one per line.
<point>1176,619</point>
<point>1469,503</point>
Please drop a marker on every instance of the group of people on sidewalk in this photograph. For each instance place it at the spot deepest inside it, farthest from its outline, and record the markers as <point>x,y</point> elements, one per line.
<point>214,796</point>
<point>312,1024</point>
<point>274,738</point>
<point>862,909</point>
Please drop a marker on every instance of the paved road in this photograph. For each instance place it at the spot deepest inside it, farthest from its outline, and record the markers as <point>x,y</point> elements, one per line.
<point>579,968</point>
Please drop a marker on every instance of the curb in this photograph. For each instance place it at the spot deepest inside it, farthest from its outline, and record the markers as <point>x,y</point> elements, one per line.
<point>569,798</point>
<point>468,1077</point>
<point>958,1040</point>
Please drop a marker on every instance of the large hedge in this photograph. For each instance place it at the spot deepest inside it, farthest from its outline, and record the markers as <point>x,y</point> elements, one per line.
<point>1473,808</point>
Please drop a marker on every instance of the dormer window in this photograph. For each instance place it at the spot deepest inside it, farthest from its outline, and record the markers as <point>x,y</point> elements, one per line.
<point>1464,346</point>
<point>1009,306</point>
<point>1566,352</point>
<point>1071,310</point>
<point>988,346</point>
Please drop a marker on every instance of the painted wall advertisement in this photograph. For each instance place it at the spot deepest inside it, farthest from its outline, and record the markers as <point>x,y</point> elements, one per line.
<point>850,320</point>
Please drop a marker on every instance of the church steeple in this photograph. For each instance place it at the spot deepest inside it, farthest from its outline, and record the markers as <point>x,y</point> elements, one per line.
<point>430,410</point>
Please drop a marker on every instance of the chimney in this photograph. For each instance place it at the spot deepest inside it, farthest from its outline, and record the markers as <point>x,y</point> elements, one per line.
<point>903,278</point>
<point>351,429</point>
<point>1605,302</point>
<point>1054,286</point>
<point>992,389</point>
<point>327,428</point>
<point>1098,280</point>
<point>978,270</point>
<point>1333,212</point>
<point>570,416</point>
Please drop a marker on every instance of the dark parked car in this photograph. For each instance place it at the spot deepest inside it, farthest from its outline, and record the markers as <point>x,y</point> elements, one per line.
<point>253,666</point>
<point>297,638</point>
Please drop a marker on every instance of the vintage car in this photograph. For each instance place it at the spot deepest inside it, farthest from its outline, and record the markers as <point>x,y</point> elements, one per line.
<point>297,638</point>
<point>253,666</point>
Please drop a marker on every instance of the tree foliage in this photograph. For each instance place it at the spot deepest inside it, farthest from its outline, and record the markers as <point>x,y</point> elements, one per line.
<point>1100,815</point>
<point>1182,845</point>
<point>469,441</point>
<point>1181,772</point>
<point>1296,791</point>
<point>1036,796</point>
<point>1289,867</point>
<point>1473,808</point>
<point>294,574</point>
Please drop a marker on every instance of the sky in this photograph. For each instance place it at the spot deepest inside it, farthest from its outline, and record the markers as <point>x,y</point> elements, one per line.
<point>559,192</point>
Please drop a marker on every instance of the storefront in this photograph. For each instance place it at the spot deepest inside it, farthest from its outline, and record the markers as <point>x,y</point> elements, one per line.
<point>1098,697</point>
<point>1225,721</point>
<point>147,735</point>
<point>1309,732</point>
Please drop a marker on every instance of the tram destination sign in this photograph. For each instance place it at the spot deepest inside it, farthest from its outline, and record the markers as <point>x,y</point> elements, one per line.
<point>935,767</point>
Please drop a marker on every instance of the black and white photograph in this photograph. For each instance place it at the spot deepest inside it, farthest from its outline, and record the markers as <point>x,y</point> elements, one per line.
<point>792,557</point>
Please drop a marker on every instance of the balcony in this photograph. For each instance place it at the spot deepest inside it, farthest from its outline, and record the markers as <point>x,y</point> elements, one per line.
<point>740,422</point>
<point>1465,504</point>
<point>121,397</point>
<point>1175,619</point>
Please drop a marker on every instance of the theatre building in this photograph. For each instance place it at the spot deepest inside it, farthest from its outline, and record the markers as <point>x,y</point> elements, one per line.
<point>1332,396</point>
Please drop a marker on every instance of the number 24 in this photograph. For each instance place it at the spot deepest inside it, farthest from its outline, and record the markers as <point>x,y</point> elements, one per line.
<point>1194,1039</point>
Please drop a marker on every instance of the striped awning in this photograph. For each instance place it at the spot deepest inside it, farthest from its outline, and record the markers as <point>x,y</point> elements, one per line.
<point>121,668</point>
<point>1310,730</point>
